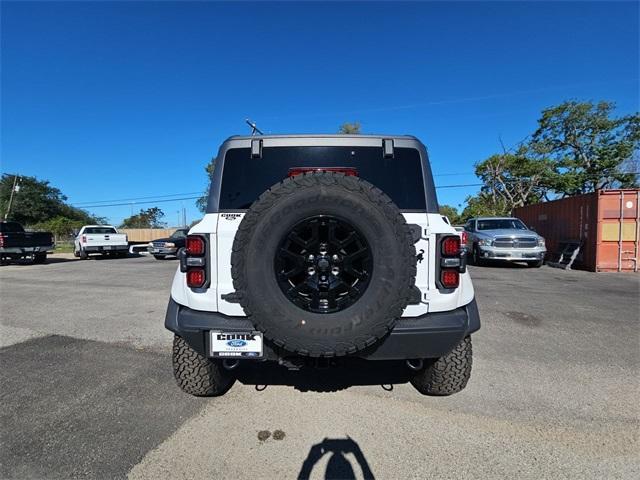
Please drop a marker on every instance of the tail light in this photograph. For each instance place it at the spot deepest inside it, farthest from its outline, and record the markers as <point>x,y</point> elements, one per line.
<point>196,277</point>
<point>348,171</point>
<point>1,240</point>
<point>193,261</point>
<point>464,236</point>
<point>195,245</point>
<point>451,246</point>
<point>451,262</point>
<point>450,278</point>
<point>84,239</point>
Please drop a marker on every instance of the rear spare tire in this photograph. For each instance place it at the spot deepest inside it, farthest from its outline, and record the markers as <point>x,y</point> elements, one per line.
<point>323,264</point>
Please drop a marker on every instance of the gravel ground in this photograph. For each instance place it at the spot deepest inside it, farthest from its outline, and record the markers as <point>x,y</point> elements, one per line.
<point>86,388</point>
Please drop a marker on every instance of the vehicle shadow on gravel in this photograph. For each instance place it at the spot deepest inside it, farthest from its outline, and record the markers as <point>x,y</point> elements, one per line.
<point>344,374</point>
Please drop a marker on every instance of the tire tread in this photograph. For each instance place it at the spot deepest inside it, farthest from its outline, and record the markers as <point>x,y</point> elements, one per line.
<point>448,374</point>
<point>196,374</point>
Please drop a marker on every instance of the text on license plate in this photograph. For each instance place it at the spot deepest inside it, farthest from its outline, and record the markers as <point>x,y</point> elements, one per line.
<point>235,344</point>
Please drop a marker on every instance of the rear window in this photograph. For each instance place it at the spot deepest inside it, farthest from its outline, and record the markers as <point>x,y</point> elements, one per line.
<point>10,227</point>
<point>100,230</point>
<point>245,178</point>
<point>179,234</point>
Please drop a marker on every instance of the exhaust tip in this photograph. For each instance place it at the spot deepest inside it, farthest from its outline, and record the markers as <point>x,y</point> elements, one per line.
<point>415,364</point>
<point>230,364</point>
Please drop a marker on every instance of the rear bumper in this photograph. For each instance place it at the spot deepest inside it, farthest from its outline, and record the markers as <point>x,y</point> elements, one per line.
<point>105,248</point>
<point>428,336</point>
<point>26,250</point>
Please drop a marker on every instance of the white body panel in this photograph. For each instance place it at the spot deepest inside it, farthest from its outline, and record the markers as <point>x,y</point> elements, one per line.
<point>221,228</point>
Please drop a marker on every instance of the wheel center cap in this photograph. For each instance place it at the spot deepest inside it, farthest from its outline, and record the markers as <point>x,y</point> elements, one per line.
<point>323,264</point>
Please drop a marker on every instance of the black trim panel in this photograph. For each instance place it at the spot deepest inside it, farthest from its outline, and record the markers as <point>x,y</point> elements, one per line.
<point>428,336</point>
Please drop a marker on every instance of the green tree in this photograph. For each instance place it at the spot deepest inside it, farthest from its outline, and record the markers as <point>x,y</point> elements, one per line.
<point>483,205</point>
<point>201,203</point>
<point>514,179</point>
<point>588,146</point>
<point>37,201</point>
<point>350,128</point>
<point>149,218</point>
<point>451,213</point>
<point>61,227</point>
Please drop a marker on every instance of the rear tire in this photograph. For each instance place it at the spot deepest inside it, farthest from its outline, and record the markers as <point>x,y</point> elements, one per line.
<point>536,264</point>
<point>476,259</point>
<point>448,374</point>
<point>159,257</point>
<point>198,375</point>
<point>83,254</point>
<point>40,258</point>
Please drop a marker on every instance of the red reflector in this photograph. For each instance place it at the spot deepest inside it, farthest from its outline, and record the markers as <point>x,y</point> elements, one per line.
<point>195,245</point>
<point>451,246</point>
<point>195,277</point>
<point>348,171</point>
<point>450,278</point>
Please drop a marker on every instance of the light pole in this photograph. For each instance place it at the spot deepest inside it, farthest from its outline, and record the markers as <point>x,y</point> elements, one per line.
<point>14,189</point>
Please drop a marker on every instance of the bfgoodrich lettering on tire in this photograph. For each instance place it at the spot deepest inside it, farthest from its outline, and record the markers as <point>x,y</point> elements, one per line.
<point>323,264</point>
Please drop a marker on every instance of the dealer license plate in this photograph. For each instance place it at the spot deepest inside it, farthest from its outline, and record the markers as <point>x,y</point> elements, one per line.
<point>235,344</point>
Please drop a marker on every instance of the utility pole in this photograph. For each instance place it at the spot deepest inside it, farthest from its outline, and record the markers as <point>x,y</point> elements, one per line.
<point>13,191</point>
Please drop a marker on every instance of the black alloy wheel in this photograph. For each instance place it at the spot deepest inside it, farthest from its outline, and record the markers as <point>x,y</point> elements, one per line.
<point>324,264</point>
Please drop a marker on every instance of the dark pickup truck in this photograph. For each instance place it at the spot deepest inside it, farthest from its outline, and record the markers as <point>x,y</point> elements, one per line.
<point>16,244</point>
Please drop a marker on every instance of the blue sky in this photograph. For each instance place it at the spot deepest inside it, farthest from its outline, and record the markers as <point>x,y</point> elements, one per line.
<point>114,101</point>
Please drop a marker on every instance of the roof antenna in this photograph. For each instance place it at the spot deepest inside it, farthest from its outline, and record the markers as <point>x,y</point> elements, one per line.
<point>254,128</point>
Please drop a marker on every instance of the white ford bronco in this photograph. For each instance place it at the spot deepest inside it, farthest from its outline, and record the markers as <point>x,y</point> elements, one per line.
<point>317,248</point>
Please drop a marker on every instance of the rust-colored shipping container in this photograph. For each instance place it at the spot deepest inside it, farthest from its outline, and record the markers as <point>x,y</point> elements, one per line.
<point>606,225</point>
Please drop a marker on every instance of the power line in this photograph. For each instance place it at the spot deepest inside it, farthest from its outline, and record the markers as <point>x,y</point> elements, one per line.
<point>451,174</point>
<point>461,185</point>
<point>141,203</point>
<point>80,204</point>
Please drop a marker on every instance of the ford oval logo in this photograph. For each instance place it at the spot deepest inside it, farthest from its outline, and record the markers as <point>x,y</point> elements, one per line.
<point>236,343</point>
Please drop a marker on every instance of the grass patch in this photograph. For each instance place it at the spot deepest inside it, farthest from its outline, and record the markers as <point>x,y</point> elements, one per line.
<point>65,247</point>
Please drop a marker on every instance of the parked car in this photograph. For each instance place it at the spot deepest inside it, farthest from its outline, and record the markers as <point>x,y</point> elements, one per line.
<point>315,249</point>
<point>504,238</point>
<point>102,239</point>
<point>16,244</point>
<point>162,247</point>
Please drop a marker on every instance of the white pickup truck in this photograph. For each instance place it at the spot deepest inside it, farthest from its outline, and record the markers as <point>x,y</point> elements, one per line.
<point>103,239</point>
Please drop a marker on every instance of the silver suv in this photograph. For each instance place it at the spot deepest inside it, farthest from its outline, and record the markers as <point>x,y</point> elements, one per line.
<point>503,238</point>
